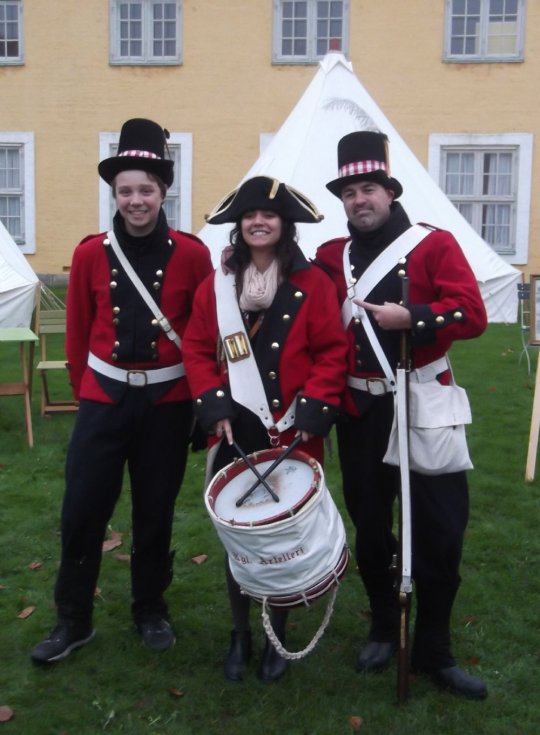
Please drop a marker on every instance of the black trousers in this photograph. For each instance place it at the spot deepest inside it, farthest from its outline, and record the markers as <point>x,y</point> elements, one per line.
<point>152,440</point>
<point>439,515</point>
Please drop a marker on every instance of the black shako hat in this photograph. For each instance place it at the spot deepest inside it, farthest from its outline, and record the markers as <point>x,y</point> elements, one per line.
<point>141,147</point>
<point>363,156</point>
<point>264,192</point>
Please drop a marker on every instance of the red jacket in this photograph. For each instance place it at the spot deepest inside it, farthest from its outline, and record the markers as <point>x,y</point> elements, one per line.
<point>310,358</point>
<point>93,326</point>
<point>444,301</point>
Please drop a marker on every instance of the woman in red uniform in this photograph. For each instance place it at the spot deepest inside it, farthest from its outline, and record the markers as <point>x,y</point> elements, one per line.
<point>126,370</point>
<point>288,311</point>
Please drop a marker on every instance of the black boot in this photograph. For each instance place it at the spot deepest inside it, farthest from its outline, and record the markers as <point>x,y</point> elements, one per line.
<point>239,655</point>
<point>273,666</point>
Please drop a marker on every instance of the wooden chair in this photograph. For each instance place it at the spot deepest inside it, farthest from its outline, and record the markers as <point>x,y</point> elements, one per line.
<point>50,320</point>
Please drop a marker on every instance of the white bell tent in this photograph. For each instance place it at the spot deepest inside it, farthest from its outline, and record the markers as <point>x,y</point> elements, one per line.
<point>303,153</point>
<point>18,284</point>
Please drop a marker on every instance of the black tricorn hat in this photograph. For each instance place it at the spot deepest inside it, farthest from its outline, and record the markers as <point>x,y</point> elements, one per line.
<point>363,155</point>
<point>142,147</point>
<point>264,192</point>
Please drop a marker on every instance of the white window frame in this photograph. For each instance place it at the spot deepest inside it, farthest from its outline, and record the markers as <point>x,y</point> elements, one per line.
<point>25,141</point>
<point>147,57</point>
<point>523,144</point>
<point>482,53</point>
<point>183,178</point>
<point>19,59</point>
<point>311,56</point>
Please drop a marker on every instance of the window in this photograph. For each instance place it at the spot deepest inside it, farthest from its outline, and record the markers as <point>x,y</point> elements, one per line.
<point>177,205</point>
<point>305,30</point>
<point>17,205</point>
<point>145,32</point>
<point>488,179</point>
<point>11,32</point>
<point>484,30</point>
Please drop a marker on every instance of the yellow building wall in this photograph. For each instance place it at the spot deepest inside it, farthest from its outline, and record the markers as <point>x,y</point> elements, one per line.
<point>226,92</point>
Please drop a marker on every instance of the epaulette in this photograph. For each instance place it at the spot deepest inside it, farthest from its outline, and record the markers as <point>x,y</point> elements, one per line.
<point>344,238</point>
<point>191,237</point>
<point>92,237</point>
<point>430,227</point>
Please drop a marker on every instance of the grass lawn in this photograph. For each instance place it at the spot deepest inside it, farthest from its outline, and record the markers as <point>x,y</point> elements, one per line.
<point>114,685</point>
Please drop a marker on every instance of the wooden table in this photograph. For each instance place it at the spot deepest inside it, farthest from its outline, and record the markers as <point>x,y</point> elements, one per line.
<point>25,338</point>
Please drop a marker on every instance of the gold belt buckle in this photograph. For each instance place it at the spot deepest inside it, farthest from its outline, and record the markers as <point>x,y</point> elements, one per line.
<point>236,346</point>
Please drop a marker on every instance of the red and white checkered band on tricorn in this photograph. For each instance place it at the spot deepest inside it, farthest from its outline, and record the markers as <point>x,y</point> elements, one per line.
<point>138,154</point>
<point>361,167</point>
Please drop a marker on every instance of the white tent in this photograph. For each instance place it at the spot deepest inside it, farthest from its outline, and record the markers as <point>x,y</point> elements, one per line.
<point>303,153</point>
<point>18,284</point>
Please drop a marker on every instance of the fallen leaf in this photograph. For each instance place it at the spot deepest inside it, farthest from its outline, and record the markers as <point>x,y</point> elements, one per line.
<point>473,660</point>
<point>26,613</point>
<point>471,619</point>
<point>200,559</point>
<point>6,713</point>
<point>356,722</point>
<point>111,543</point>
<point>123,557</point>
<point>3,587</point>
<point>176,692</point>
<point>36,565</point>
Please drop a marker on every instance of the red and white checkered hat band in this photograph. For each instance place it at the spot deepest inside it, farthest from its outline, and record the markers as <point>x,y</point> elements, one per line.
<point>139,154</point>
<point>361,167</point>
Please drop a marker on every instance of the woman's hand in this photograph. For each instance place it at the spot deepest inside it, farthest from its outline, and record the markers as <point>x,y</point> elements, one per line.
<point>222,427</point>
<point>306,435</point>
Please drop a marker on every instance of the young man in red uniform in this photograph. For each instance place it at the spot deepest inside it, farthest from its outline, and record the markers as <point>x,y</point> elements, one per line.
<point>444,305</point>
<point>135,409</point>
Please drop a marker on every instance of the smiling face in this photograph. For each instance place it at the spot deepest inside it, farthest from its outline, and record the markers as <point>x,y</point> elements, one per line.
<point>261,230</point>
<point>367,204</point>
<point>138,197</point>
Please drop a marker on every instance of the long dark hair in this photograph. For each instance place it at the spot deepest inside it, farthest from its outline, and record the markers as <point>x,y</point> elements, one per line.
<point>285,250</point>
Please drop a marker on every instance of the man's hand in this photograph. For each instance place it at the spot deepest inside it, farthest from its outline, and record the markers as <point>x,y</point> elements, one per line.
<point>388,315</point>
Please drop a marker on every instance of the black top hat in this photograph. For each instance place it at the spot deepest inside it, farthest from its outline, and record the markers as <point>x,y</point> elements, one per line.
<point>142,147</point>
<point>363,155</point>
<point>263,192</point>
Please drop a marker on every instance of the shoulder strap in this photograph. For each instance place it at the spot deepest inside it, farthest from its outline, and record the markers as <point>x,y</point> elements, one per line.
<point>376,271</point>
<point>245,381</point>
<point>373,274</point>
<point>141,288</point>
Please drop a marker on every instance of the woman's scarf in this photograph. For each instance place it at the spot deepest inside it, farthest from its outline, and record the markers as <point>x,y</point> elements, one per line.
<point>259,289</point>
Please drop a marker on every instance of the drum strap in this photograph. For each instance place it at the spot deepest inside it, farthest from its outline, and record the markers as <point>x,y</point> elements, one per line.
<point>245,381</point>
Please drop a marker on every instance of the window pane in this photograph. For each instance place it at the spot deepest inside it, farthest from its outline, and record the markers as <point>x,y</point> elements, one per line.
<point>497,174</point>
<point>459,174</point>
<point>9,30</point>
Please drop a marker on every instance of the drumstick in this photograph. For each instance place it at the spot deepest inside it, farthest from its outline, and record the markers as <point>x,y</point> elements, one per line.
<point>270,469</point>
<point>256,473</point>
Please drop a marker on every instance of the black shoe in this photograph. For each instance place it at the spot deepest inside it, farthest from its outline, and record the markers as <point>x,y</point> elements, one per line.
<point>273,666</point>
<point>239,655</point>
<point>459,682</point>
<point>156,634</point>
<point>64,639</point>
<point>375,656</point>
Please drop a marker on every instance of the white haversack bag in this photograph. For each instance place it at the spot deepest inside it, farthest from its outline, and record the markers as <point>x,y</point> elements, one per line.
<point>437,440</point>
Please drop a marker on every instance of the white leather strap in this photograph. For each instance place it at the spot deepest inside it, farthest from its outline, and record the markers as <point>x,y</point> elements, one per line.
<point>376,271</point>
<point>137,378</point>
<point>244,378</point>
<point>141,288</point>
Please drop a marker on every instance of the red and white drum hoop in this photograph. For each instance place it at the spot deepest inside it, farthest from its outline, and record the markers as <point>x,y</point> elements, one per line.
<point>289,552</point>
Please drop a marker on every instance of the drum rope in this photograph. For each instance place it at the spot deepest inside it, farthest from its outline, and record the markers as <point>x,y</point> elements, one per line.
<point>290,655</point>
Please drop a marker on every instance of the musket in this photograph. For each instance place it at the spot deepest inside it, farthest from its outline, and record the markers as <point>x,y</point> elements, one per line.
<point>405,554</point>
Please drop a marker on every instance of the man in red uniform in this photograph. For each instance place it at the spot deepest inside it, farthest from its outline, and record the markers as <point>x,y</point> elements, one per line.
<point>124,355</point>
<point>444,305</point>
